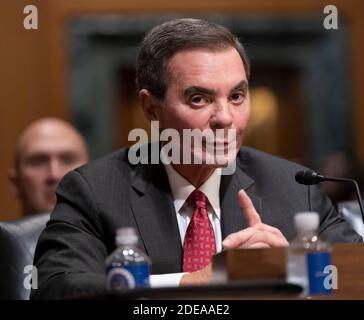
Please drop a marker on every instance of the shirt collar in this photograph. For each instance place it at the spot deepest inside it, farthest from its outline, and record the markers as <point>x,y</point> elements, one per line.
<point>181,188</point>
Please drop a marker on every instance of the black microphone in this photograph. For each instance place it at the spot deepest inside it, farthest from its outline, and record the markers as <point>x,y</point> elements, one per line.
<point>310,177</point>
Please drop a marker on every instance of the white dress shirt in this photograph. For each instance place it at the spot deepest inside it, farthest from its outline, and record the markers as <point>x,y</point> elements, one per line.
<point>181,189</point>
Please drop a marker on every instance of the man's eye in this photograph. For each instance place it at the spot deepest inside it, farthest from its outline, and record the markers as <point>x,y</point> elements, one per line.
<point>68,159</point>
<point>198,100</point>
<point>237,97</point>
<point>37,161</point>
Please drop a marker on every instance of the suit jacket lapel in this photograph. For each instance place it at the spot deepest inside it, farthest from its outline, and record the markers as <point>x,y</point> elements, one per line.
<point>152,206</point>
<point>232,218</point>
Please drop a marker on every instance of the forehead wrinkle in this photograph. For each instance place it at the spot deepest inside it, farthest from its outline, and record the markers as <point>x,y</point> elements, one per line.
<point>176,68</point>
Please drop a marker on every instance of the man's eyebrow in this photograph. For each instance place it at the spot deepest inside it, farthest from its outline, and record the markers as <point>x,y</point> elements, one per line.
<point>196,89</point>
<point>242,85</point>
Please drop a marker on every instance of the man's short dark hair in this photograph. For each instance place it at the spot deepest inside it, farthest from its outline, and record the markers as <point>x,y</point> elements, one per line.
<point>177,35</point>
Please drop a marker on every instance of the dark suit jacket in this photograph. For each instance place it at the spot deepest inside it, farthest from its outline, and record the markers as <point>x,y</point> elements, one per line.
<point>96,199</point>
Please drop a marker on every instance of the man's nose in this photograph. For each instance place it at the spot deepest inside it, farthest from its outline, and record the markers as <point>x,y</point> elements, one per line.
<point>222,117</point>
<point>56,171</point>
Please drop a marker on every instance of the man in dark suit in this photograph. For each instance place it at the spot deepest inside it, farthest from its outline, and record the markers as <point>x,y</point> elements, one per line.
<point>191,74</point>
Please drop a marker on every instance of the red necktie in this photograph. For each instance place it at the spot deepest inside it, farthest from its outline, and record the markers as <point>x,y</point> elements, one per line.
<point>199,243</point>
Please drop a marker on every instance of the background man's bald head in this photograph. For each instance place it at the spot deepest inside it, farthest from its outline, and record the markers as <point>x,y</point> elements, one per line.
<point>46,150</point>
<point>51,130</point>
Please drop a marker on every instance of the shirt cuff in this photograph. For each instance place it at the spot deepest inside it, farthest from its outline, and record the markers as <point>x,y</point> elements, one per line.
<point>166,280</point>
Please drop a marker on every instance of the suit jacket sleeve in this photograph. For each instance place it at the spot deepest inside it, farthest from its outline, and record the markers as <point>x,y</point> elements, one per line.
<point>333,226</point>
<point>71,250</point>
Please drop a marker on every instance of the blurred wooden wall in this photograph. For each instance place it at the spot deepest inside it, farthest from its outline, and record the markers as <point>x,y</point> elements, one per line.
<point>33,76</point>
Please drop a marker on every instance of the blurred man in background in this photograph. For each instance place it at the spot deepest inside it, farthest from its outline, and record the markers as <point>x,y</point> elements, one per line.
<point>46,150</point>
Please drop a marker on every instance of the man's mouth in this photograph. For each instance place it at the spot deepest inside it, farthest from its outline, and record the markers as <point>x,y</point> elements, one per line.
<point>222,144</point>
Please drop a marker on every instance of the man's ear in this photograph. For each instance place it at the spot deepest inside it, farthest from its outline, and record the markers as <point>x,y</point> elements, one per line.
<point>14,181</point>
<point>150,104</point>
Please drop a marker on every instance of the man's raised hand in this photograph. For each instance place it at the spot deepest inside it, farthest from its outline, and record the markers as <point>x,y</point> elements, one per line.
<point>257,234</point>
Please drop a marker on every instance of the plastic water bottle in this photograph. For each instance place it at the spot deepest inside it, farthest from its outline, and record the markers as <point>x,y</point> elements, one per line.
<point>308,256</point>
<point>127,267</point>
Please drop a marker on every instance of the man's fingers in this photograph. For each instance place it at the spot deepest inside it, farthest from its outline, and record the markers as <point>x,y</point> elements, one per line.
<point>237,239</point>
<point>249,238</point>
<point>251,215</point>
<point>266,227</point>
<point>258,234</point>
<point>268,238</point>
<point>257,245</point>
<point>199,277</point>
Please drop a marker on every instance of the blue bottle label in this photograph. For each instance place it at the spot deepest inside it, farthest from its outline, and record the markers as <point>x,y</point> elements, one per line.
<point>129,276</point>
<point>316,263</point>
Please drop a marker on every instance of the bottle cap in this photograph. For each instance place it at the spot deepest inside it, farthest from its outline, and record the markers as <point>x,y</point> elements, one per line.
<point>126,236</point>
<point>306,222</point>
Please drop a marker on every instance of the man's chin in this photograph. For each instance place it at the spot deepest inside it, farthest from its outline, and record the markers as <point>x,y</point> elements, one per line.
<point>49,207</point>
<point>49,204</point>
